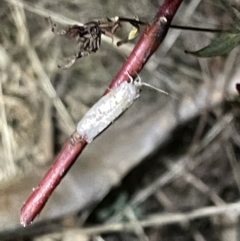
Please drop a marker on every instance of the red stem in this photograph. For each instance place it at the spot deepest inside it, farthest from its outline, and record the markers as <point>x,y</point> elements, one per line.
<point>39,196</point>
<point>148,43</point>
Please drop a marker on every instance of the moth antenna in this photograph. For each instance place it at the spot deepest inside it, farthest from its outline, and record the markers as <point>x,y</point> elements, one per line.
<point>159,90</point>
<point>155,88</point>
<point>140,83</point>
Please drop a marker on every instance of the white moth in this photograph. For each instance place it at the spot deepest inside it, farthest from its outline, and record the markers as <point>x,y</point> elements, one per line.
<point>108,109</point>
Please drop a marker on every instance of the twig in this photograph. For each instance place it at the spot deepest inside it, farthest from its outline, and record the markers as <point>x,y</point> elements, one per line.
<point>49,182</point>
<point>145,47</point>
<point>173,35</point>
<point>206,30</point>
<point>148,43</point>
<point>160,220</point>
<point>203,187</point>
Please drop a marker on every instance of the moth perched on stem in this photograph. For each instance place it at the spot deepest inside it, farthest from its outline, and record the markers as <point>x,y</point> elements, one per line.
<point>88,35</point>
<point>74,146</point>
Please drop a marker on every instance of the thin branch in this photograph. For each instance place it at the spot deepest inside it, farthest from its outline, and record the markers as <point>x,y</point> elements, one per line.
<point>207,30</point>
<point>159,220</point>
<point>148,43</point>
<point>39,196</point>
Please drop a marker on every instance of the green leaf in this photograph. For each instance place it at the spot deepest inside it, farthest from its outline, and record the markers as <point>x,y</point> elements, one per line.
<point>219,46</point>
<point>133,33</point>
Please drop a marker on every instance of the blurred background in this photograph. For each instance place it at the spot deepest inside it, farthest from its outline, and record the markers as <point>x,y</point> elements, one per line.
<point>170,166</point>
